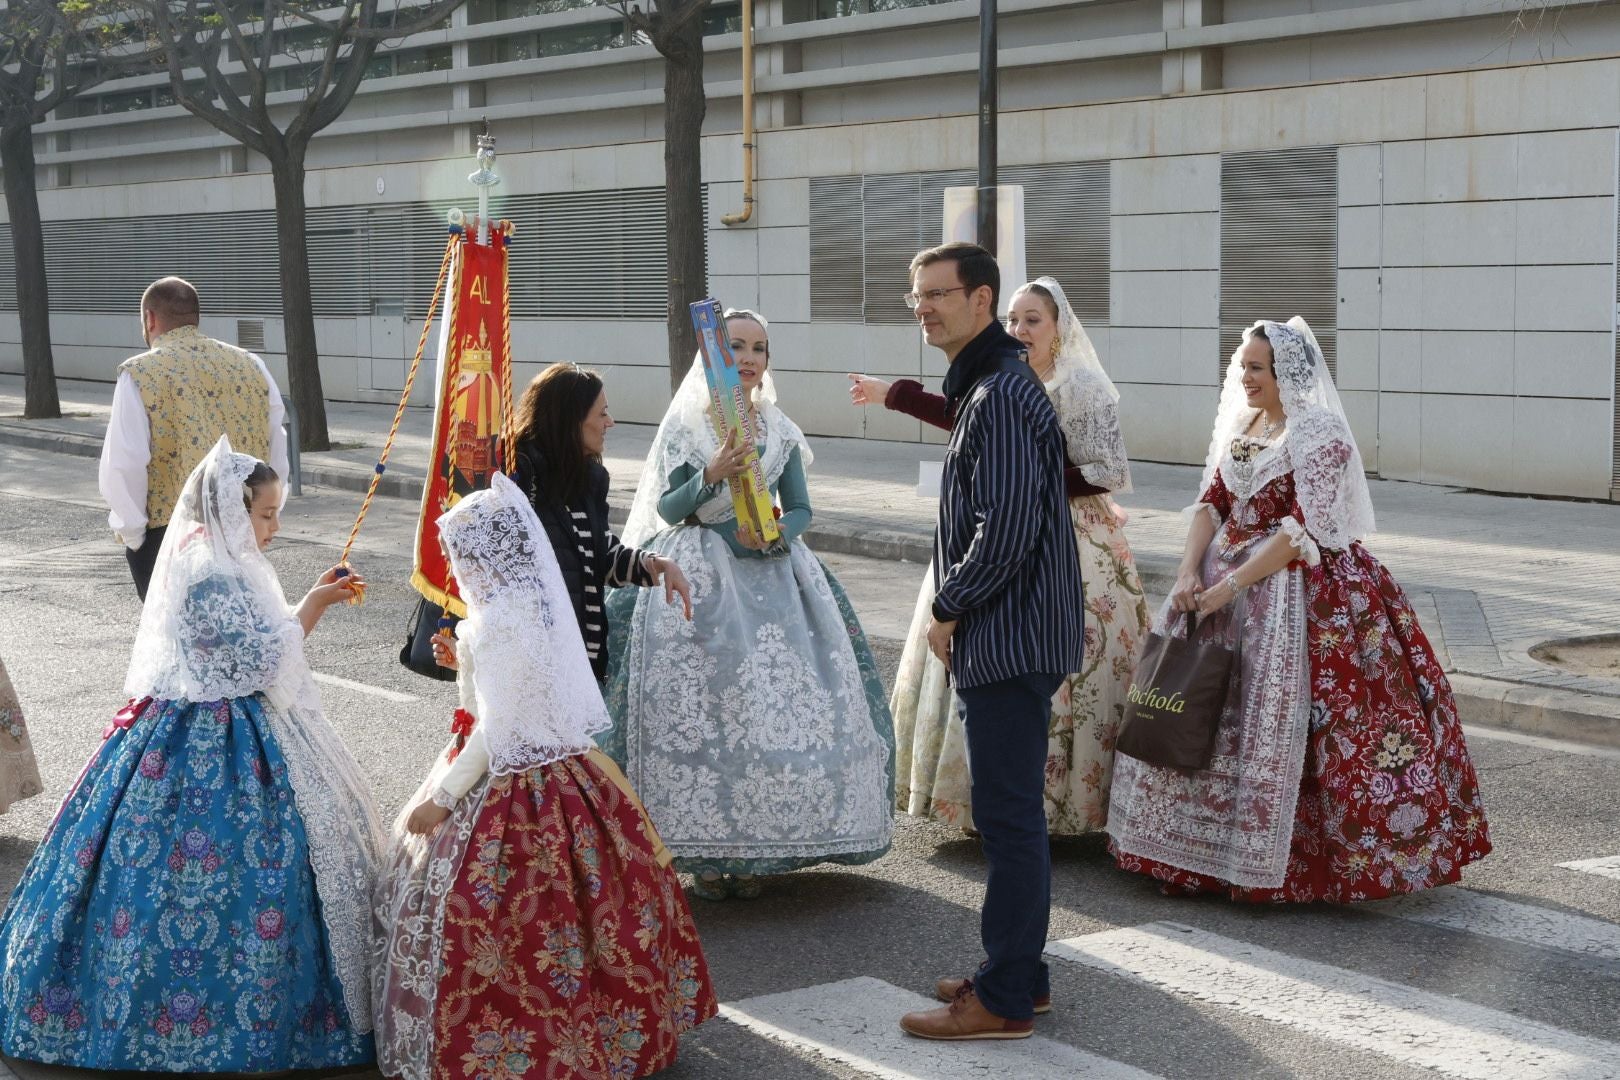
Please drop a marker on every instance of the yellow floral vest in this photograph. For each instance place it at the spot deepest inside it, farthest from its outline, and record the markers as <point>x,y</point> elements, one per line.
<point>196,389</point>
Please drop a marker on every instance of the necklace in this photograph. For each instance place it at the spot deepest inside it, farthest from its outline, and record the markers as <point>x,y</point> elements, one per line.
<point>1245,451</point>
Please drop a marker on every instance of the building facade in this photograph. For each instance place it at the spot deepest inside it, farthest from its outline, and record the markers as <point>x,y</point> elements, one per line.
<point>1432,183</point>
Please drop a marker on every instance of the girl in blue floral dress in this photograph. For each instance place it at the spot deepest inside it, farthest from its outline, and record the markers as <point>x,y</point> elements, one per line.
<point>201,903</point>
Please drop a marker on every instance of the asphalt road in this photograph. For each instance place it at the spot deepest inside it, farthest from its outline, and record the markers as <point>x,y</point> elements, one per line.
<point>1514,974</point>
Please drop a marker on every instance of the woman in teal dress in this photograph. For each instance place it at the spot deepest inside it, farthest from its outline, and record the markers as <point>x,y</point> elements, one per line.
<point>757,733</point>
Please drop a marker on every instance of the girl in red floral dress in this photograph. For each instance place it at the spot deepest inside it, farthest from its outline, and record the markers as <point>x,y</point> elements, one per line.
<point>530,924</point>
<point>1340,772</point>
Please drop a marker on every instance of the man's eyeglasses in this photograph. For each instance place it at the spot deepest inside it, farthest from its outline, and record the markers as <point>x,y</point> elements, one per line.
<point>933,296</point>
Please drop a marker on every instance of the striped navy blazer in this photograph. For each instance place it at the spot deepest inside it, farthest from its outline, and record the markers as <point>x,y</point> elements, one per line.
<point>1005,564</point>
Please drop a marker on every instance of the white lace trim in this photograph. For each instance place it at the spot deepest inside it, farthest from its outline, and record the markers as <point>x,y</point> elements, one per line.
<point>1301,540</point>
<point>1089,416</point>
<point>1189,513</point>
<point>440,797</point>
<point>411,894</point>
<point>1233,821</point>
<point>748,731</point>
<point>345,843</point>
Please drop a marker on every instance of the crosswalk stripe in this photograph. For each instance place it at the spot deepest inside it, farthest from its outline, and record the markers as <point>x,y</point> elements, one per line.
<point>1412,1026</point>
<point>1527,924</point>
<point>365,688</point>
<point>1607,867</point>
<point>856,1022</point>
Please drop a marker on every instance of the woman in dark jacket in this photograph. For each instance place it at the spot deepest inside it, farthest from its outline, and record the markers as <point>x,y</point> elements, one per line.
<point>563,422</point>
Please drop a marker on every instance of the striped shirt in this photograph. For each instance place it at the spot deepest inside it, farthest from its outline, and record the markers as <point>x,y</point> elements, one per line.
<point>590,556</point>
<point>623,567</point>
<point>1004,554</point>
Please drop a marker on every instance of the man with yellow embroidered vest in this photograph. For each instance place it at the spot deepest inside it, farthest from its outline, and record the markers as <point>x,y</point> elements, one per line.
<point>171,404</point>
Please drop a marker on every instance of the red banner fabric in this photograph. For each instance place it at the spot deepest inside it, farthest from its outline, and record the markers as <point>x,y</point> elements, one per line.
<point>474,406</point>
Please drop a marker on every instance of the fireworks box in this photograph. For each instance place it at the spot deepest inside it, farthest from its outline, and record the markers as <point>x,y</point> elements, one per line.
<point>750,496</point>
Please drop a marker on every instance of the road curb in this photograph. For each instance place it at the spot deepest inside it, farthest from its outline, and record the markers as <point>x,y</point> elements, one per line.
<point>1535,710</point>
<point>60,442</point>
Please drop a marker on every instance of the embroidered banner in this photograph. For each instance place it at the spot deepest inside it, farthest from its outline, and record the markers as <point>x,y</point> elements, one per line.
<point>473,409</point>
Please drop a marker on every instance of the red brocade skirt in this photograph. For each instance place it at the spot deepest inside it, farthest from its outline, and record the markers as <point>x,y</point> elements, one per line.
<point>562,946</point>
<point>1389,802</point>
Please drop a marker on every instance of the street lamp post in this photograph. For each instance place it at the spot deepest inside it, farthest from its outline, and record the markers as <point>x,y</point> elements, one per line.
<point>987,126</point>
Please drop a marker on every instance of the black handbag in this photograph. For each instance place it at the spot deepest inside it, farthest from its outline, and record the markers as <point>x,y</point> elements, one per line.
<point>1176,699</point>
<point>425,621</point>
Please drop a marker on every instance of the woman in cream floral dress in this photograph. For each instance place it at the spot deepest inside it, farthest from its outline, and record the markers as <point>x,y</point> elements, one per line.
<point>932,777</point>
<point>19,775</point>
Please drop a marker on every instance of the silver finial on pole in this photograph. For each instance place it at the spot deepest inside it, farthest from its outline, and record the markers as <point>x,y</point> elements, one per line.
<point>484,179</point>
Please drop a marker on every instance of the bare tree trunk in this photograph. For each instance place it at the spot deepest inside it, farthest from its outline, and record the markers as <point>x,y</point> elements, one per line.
<point>28,249</point>
<point>684,107</point>
<point>297,301</point>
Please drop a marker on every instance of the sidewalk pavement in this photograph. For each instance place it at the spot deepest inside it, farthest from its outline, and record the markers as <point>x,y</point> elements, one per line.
<point>1491,576</point>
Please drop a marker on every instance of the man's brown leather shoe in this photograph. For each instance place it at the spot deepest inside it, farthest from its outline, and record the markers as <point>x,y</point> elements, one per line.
<point>947,989</point>
<point>964,1018</point>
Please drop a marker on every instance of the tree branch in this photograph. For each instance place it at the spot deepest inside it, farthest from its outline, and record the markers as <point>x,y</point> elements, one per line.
<point>434,14</point>
<point>200,105</point>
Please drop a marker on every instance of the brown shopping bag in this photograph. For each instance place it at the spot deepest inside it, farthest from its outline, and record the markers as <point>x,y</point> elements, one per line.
<point>1176,699</point>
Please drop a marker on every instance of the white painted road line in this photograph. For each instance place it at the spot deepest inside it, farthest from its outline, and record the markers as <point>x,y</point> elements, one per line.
<point>1411,1026</point>
<point>365,688</point>
<point>857,1022</point>
<point>1609,867</point>
<point>1527,924</point>
<point>1540,742</point>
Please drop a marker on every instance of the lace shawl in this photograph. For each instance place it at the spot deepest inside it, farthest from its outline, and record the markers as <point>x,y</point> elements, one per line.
<point>536,697</point>
<point>1330,481</point>
<point>1086,400</point>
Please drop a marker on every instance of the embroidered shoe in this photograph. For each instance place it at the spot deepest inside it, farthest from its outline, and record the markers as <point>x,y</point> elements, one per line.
<point>709,888</point>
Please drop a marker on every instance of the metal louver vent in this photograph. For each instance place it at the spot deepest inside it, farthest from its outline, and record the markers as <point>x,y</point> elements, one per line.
<point>8,271</point>
<point>836,256</point>
<point>1068,233</point>
<point>250,334</point>
<point>1280,243</point>
<point>864,232</point>
<point>596,254</point>
<point>1614,477</point>
<point>893,232</point>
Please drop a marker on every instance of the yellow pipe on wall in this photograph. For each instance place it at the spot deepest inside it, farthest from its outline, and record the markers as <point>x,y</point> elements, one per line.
<point>747,211</point>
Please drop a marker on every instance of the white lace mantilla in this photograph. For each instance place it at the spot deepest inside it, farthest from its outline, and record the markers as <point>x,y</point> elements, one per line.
<point>687,436</point>
<point>1088,412</point>
<point>533,689</point>
<point>1330,481</point>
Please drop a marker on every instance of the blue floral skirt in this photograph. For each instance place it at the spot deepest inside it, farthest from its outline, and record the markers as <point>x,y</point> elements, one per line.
<point>169,921</point>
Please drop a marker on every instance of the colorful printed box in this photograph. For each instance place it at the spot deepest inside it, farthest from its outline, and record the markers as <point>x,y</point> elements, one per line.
<point>750,496</point>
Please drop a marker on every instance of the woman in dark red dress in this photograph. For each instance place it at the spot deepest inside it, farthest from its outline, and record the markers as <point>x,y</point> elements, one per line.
<point>1340,771</point>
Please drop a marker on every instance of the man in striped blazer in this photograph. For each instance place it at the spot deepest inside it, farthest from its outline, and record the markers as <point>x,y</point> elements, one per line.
<point>1007,624</point>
